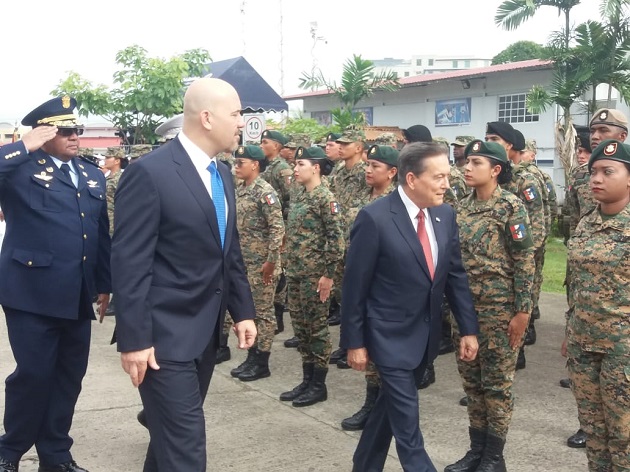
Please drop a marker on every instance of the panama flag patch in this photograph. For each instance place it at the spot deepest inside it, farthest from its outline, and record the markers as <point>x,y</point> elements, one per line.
<point>270,199</point>
<point>518,232</point>
<point>334,208</point>
<point>530,194</point>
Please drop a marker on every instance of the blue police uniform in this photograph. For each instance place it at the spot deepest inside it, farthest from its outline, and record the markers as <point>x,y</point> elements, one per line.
<point>54,261</point>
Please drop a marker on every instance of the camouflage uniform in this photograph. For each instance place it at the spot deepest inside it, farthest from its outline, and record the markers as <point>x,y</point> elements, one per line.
<point>458,189</point>
<point>112,184</point>
<point>261,229</point>
<point>314,247</point>
<point>598,336</point>
<point>138,150</point>
<point>279,174</point>
<point>580,198</point>
<point>497,253</point>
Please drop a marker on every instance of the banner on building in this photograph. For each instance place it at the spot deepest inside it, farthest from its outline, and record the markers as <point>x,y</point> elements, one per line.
<point>452,112</point>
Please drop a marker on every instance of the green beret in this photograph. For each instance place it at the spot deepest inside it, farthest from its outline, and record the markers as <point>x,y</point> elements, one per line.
<point>250,152</point>
<point>610,149</point>
<point>333,136</point>
<point>487,149</point>
<point>386,154</point>
<point>274,136</point>
<point>314,152</point>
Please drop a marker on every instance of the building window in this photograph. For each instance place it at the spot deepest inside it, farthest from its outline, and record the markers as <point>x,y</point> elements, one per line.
<point>512,109</point>
<point>467,64</point>
<point>406,74</point>
<point>454,64</point>
<point>418,62</point>
<point>430,62</point>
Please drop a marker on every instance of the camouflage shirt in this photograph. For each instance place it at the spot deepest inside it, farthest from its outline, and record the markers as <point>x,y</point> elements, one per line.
<point>279,174</point>
<point>314,243</point>
<point>458,189</point>
<point>553,197</point>
<point>349,187</point>
<point>526,187</point>
<point>497,250</point>
<point>580,199</point>
<point>260,224</point>
<point>111,183</point>
<point>533,169</point>
<point>599,261</point>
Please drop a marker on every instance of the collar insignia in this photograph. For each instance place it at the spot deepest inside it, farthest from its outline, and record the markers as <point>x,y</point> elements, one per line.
<point>92,183</point>
<point>43,177</point>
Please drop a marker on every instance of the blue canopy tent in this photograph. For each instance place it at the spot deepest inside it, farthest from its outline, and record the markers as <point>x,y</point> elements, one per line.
<point>256,94</point>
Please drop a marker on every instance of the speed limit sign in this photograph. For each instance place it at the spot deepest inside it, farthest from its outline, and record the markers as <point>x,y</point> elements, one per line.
<point>255,124</point>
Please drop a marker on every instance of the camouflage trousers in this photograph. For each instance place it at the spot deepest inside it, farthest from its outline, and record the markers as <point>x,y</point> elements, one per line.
<point>265,315</point>
<point>488,379</point>
<point>539,259</point>
<point>372,379</point>
<point>338,280</point>
<point>309,317</point>
<point>601,386</point>
<point>227,324</point>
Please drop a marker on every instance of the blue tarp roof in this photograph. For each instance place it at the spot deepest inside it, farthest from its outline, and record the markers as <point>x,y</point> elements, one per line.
<point>256,94</point>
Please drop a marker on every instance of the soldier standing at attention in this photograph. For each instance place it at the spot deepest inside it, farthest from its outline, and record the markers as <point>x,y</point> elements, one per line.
<point>278,172</point>
<point>261,229</point>
<point>314,248</point>
<point>349,187</point>
<point>525,186</point>
<point>598,332</point>
<point>497,252</point>
<point>381,177</point>
<point>459,146</point>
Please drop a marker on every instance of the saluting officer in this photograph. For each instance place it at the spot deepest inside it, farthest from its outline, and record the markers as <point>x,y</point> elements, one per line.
<point>54,262</point>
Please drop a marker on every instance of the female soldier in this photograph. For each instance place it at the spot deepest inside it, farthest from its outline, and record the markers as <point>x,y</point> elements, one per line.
<point>314,248</point>
<point>498,255</point>
<point>598,330</point>
<point>261,229</point>
<point>381,177</point>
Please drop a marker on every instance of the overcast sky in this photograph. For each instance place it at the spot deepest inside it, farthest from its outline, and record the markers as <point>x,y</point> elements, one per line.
<point>43,40</point>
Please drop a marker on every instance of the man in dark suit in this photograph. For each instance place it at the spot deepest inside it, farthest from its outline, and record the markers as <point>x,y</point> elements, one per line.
<point>404,255</point>
<point>176,266</point>
<point>54,261</point>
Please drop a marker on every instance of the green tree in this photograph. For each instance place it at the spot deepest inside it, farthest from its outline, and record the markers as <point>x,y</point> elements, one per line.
<point>358,81</point>
<point>306,126</point>
<point>145,91</point>
<point>519,51</point>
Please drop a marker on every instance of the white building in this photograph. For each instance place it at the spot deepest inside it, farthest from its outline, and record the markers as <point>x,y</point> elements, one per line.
<point>427,64</point>
<point>462,102</point>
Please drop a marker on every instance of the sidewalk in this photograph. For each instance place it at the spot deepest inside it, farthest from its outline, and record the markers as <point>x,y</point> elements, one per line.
<point>249,429</point>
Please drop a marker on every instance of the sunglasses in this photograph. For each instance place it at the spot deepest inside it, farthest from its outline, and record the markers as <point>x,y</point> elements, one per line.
<point>67,132</point>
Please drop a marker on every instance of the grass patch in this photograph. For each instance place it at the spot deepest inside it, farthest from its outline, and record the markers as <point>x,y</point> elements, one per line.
<point>555,266</point>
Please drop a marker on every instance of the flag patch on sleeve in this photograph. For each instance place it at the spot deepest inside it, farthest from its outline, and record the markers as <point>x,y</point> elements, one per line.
<point>270,199</point>
<point>334,208</point>
<point>530,194</point>
<point>518,232</point>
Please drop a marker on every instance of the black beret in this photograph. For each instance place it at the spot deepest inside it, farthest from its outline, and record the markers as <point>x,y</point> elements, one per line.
<point>502,129</point>
<point>519,141</point>
<point>418,133</point>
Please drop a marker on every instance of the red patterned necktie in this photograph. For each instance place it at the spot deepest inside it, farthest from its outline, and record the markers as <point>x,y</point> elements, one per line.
<point>424,242</point>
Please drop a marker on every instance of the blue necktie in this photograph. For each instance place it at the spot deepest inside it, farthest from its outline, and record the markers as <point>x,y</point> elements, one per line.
<point>218,198</point>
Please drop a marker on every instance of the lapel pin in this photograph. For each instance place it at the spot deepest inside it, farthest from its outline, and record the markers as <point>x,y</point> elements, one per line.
<point>437,219</point>
<point>81,166</point>
<point>84,174</point>
<point>49,169</point>
<point>92,183</point>
<point>42,161</point>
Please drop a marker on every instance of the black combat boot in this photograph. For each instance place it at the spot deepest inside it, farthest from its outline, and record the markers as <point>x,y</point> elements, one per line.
<point>307,369</point>
<point>279,309</point>
<point>472,459</point>
<point>428,377</point>
<point>236,371</point>
<point>536,313</point>
<point>223,354</point>
<point>357,421</point>
<point>530,334</point>
<point>578,440</point>
<point>521,362</point>
<point>292,342</point>
<point>492,459</point>
<point>334,313</point>
<point>258,369</point>
<point>316,391</point>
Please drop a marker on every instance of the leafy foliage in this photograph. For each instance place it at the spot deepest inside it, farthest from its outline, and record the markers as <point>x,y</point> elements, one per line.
<point>145,90</point>
<point>306,126</point>
<point>519,51</point>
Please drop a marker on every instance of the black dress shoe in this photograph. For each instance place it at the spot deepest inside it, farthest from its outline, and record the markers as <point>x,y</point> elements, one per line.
<point>446,346</point>
<point>8,466</point>
<point>578,440</point>
<point>64,467</point>
<point>464,401</point>
<point>142,418</point>
<point>427,378</point>
<point>565,383</point>
<point>292,342</point>
<point>336,355</point>
<point>343,363</point>
<point>334,319</point>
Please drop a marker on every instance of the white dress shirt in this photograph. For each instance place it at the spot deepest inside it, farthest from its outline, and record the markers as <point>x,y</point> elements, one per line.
<point>73,173</point>
<point>412,211</point>
<point>201,161</point>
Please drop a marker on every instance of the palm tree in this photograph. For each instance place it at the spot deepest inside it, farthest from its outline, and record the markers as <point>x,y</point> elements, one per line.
<point>358,81</point>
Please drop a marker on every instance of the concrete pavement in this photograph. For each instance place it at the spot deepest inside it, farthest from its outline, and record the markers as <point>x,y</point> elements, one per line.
<point>249,429</point>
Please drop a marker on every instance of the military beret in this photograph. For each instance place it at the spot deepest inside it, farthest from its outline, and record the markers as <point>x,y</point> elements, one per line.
<point>519,141</point>
<point>171,127</point>
<point>584,136</point>
<point>417,133</point>
<point>501,129</point>
<point>314,152</point>
<point>115,151</point>
<point>462,140</point>
<point>609,116</point>
<point>333,136</point>
<point>351,134</point>
<point>274,136</point>
<point>530,145</point>
<point>139,150</point>
<point>383,153</point>
<point>488,149</point>
<point>55,112</point>
<point>610,149</point>
<point>250,152</point>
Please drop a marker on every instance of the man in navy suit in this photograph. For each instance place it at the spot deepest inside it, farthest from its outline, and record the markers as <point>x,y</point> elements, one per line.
<point>54,261</point>
<point>176,266</point>
<point>404,255</point>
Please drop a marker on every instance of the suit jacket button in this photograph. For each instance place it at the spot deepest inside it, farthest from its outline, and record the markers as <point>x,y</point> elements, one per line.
<point>29,263</point>
<point>218,291</point>
<point>85,236</point>
<point>427,319</point>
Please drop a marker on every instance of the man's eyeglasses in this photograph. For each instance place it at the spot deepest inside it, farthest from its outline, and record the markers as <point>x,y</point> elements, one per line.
<point>67,132</point>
